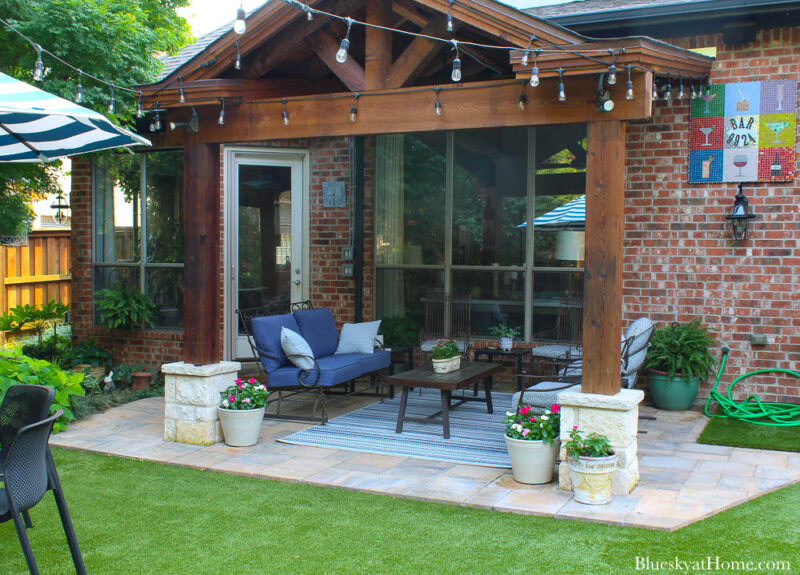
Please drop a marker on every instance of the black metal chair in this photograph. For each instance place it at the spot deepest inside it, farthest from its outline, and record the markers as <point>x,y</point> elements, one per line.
<point>28,473</point>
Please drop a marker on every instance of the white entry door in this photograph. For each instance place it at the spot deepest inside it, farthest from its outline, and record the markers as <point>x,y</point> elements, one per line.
<point>266,261</point>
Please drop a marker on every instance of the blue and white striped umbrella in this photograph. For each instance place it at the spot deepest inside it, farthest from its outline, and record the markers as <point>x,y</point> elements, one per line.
<point>38,126</point>
<point>570,216</point>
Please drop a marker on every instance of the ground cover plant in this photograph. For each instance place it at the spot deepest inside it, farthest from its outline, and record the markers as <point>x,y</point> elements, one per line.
<point>200,522</point>
<point>721,431</point>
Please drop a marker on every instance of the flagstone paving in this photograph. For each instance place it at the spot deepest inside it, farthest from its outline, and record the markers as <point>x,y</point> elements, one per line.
<point>681,481</point>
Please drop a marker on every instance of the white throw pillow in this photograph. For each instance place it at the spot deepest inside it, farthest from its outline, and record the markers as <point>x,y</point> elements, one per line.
<point>297,349</point>
<point>358,337</point>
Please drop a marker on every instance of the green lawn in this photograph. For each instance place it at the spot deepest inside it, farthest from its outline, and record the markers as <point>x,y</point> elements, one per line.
<point>137,517</point>
<point>723,431</point>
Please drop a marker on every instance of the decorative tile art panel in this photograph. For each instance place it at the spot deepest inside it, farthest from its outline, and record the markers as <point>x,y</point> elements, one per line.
<point>743,132</point>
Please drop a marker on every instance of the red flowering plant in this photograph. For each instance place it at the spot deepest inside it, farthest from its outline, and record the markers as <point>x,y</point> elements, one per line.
<point>244,395</point>
<point>527,425</point>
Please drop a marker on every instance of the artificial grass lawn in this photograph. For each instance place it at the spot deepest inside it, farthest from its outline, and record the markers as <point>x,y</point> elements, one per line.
<point>723,431</point>
<point>137,517</point>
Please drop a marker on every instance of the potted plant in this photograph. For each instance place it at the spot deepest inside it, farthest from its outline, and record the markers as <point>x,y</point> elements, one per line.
<point>677,359</point>
<point>532,442</point>
<point>242,411</point>
<point>88,358</point>
<point>446,356</point>
<point>505,334</point>
<point>592,464</point>
<point>124,309</point>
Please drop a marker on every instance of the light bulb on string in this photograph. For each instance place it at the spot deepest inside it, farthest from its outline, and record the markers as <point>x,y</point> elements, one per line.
<point>562,94</point>
<point>612,75</point>
<point>527,53</point>
<point>629,86</point>
<point>79,89</point>
<point>535,71</point>
<point>221,119</point>
<point>284,113</point>
<point>341,55</point>
<point>450,25</point>
<point>455,76</point>
<point>239,25</point>
<point>437,106</point>
<point>38,68</point>
<point>157,122</point>
<point>654,97</point>
<point>181,93</point>
<point>111,102</point>
<point>309,13</point>
<point>237,64</point>
<point>708,87</point>
<point>523,99</point>
<point>139,111</point>
<point>668,92</point>
<point>693,93</point>
<point>354,108</point>
<point>681,91</point>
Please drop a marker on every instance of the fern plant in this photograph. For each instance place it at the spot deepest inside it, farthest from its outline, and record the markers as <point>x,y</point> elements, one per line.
<point>123,308</point>
<point>681,349</point>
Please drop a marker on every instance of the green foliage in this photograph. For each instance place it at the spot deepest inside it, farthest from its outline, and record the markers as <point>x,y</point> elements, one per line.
<point>84,352</point>
<point>37,317</point>
<point>593,445</point>
<point>502,330</point>
<point>122,373</point>
<point>123,308</point>
<point>681,349</point>
<point>399,330</point>
<point>445,349</point>
<point>16,368</point>
<point>16,215</point>
<point>526,425</point>
<point>244,395</point>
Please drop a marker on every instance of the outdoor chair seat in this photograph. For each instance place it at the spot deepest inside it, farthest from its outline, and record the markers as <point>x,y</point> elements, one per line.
<point>333,369</point>
<point>556,351</point>
<point>380,359</point>
<point>542,395</point>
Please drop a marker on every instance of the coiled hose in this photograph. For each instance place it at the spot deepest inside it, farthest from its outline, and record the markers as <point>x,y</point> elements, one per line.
<point>753,410</point>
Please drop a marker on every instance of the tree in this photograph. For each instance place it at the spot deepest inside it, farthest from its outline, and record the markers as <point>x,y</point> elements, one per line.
<point>116,40</point>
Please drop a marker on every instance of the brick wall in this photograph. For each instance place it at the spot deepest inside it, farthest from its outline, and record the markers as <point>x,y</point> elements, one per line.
<point>680,260</point>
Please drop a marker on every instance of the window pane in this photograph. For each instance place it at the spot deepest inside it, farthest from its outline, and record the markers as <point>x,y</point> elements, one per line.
<point>410,180</point>
<point>497,297</point>
<point>548,290</point>
<point>402,292</point>
<point>490,196</point>
<point>164,203</point>
<point>560,179</point>
<point>110,277</point>
<point>117,221</point>
<point>165,287</point>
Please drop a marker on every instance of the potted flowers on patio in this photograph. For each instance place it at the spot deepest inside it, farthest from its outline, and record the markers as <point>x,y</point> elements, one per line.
<point>592,464</point>
<point>532,442</point>
<point>505,334</point>
<point>242,411</point>
<point>446,356</point>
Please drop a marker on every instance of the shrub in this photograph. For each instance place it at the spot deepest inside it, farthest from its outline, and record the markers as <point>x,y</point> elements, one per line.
<point>86,351</point>
<point>682,349</point>
<point>399,330</point>
<point>16,368</point>
<point>123,308</point>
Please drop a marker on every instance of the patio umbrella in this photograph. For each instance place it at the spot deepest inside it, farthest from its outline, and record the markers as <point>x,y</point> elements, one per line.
<point>38,126</point>
<point>570,216</point>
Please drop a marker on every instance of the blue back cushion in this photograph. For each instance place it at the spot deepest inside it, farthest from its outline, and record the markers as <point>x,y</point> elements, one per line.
<point>267,334</point>
<point>318,328</point>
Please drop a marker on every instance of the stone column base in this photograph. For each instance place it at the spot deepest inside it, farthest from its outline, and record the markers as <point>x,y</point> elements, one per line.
<point>616,417</point>
<point>192,396</point>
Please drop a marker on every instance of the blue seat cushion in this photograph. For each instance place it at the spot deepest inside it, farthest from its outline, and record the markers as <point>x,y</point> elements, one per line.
<point>334,369</point>
<point>267,335</point>
<point>318,328</point>
<point>370,362</point>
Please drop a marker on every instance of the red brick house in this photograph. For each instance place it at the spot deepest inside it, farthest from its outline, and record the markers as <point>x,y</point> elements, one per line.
<point>378,178</point>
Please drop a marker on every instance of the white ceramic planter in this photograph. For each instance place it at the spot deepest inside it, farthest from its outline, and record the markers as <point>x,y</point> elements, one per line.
<point>506,343</point>
<point>240,428</point>
<point>532,461</point>
<point>446,365</point>
<point>592,478</point>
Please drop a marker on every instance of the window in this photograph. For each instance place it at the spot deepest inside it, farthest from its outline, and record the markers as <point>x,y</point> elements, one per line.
<point>452,212</point>
<point>138,228</point>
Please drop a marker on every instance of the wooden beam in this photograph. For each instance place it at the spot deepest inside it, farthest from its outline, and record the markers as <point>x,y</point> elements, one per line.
<point>378,56</point>
<point>416,56</point>
<point>605,216</point>
<point>350,72</point>
<point>467,105</point>
<point>201,211</point>
<point>409,13</point>
<point>37,279</point>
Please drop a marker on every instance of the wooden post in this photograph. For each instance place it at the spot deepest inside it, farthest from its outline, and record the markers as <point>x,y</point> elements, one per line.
<point>605,204</point>
<point>201,213</point>
<point>378,57</point>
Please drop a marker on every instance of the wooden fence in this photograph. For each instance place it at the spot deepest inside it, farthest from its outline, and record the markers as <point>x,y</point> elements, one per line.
<point>36,273</point>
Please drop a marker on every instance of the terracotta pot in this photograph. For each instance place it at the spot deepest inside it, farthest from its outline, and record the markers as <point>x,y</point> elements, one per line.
<point>446,365</point>
<point>592,478</point>
<point>532,461</point>
<point>140,380</point>
<point>240,427</point>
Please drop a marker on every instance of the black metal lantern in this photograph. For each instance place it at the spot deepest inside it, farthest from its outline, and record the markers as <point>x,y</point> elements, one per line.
<point>60,205</point>
<point>740,216</point>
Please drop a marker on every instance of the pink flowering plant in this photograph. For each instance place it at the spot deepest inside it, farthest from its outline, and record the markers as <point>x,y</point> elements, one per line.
<point>530,426</point>
<point>244,395</point>
<point>445,349</point>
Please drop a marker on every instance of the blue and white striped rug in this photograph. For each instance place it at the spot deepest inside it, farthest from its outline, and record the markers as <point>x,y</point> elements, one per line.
<point>476,437</point>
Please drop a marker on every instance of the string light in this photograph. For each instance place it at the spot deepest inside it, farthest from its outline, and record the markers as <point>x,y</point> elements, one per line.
<point>237,65</point>
<point>38,69</point>
<point>79,89</point>
<point>139,111</point>
<point>155,125</point>
<point>111,102</point>
<point>527,53</point>
<point>562,95</point>
<point>668,92</point>
<point>654,97</point>
<point>455,76</point>
<point>284,114</point>
<point>309,13</point>
<point>437,106</point>
<point>450,26</point>
<point>523,99</point>
<point>354,108</point>
<point>629,85</point>
<point>221,119</point>
<point>341,55</point>
<point>181,93</point>
<point>693,93</point>
<point>535,71</point>
<point>239,25</point>
<point>681,91</point>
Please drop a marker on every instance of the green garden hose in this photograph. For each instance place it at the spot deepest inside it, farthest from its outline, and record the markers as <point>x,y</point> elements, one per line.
<point>753,410</point>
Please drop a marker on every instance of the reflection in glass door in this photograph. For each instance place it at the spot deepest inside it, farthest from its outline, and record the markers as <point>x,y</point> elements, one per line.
<point>266,239</point>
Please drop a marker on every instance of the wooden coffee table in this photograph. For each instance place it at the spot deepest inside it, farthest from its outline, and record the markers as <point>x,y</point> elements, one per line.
<point>424,377</point>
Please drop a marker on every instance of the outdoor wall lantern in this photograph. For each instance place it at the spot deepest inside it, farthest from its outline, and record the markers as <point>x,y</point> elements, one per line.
<point>740,216</point>
<point>60,205</point>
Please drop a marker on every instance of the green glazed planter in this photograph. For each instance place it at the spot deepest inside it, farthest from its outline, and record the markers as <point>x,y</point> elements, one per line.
<point>672,393</point>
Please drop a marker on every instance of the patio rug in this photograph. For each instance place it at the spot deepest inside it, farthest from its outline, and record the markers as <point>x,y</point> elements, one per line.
<point>476,437</point>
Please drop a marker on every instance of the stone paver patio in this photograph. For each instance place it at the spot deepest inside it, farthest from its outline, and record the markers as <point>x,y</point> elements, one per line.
<point>681,481</point>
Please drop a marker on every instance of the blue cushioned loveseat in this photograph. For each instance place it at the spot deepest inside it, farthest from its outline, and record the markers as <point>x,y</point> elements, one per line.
<point>318,328</point>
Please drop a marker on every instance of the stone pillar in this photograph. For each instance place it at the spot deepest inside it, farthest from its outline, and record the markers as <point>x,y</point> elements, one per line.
<point>616,417</point>
<point>192,395</point>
